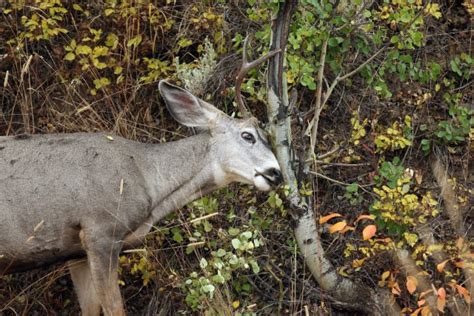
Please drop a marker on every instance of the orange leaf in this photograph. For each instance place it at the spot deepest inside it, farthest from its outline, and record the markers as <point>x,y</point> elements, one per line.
<point>441,303</point>
<point>326,218</point>
<point>412,283</point>
<point>440,266</point>
<point>346,229</point>
<point>364,216</point>
<point>369,232</point>
<point>460,243</point>
<point>464,293</point>
<point>396,289</point>
<point>337,227</point>
<point>442,293</point>
<point>421,302</point>
<point>459,264</point>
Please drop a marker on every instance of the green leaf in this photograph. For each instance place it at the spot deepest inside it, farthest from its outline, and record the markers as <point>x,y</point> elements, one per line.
<point>255,267</point>
<point>77,7</point>
<point>352,188</point>
<point>184,42</point>
<point>111,40</point>
<point>135,41</point>
<point>203,263</point>
<point>246,235</point>
<point>219,279</point>
<point>221,252</point>
<point>233,231</point>
<point>209,288</point>
<point>118,70</point>
<point>236,243</point>
<point>109,11</point>
<point>101,82</point>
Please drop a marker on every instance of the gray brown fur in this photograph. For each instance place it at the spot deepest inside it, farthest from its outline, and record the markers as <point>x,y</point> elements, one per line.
<point>68,196</point>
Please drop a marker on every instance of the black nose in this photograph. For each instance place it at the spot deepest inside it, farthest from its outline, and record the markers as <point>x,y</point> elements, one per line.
<point>275,175</point>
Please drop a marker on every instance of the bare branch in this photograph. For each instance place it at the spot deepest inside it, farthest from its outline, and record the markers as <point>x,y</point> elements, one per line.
<point>244,69</point>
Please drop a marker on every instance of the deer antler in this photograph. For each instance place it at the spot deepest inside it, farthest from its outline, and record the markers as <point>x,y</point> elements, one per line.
<point>244,69</point>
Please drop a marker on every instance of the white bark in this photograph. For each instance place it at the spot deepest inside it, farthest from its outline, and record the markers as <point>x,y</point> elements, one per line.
<point>344,291</point>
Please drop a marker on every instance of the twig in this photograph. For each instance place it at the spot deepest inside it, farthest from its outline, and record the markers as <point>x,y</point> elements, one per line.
<point>315,122</point>
<point>244,69</point>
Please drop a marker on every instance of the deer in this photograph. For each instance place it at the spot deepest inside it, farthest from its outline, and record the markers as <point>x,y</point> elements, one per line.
<point>66,197</point>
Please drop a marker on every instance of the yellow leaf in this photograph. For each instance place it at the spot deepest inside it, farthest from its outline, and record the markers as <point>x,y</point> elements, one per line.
<point>83,50</point>
<point>69,56</point>
<point>440,266</point>
<point>416,312</point>
<point>337,227</point>
<point>412,283</point>
<point>357,263</point>
<point>385,275</point>
<point>235,304</point>
<point>369,232</point>
<point>426,311</point>
<point>326,218</point>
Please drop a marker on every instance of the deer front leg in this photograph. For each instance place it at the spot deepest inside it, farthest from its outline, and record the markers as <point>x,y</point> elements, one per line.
<point>102,257</point>
<point>85,290</point>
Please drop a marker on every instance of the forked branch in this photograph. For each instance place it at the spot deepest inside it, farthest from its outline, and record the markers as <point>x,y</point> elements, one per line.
<point>244,69</point>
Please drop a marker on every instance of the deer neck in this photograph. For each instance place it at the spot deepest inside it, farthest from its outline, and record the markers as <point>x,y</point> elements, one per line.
<point>182,172</point>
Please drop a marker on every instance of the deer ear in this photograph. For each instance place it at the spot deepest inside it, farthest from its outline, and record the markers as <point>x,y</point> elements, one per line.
<point>186,108</point>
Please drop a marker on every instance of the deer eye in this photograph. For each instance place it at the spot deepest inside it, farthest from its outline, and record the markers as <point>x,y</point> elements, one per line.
<point>248,137</point>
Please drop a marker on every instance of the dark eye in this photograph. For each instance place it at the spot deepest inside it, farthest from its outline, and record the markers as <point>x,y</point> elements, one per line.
<point>248,137</point>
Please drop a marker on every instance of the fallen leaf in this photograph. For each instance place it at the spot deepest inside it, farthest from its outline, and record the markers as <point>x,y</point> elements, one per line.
<point>357,263</point>
<point>396,289</point>
<point>346,229</point>
<point>464,293</point>
<point>441,302</point>
<point>460,243</point>
<point>416,312</point>
<point>364,216</point>
<point>369,232</point>
<point>459,264</point>
<point>385,275</point>
<point>423,294</point>
<point>426,311</point>
<point>440,266</point>
<point>337,227</point>
<point>326,218</point>
<point>412,283</point>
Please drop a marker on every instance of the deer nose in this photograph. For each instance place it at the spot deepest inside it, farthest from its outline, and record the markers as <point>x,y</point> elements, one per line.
<point>275,176</point>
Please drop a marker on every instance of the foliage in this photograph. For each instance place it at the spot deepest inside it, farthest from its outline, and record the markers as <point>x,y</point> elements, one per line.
<point>63,69</point>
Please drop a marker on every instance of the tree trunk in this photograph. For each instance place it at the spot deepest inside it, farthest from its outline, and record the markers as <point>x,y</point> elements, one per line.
<point>345,292</point>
